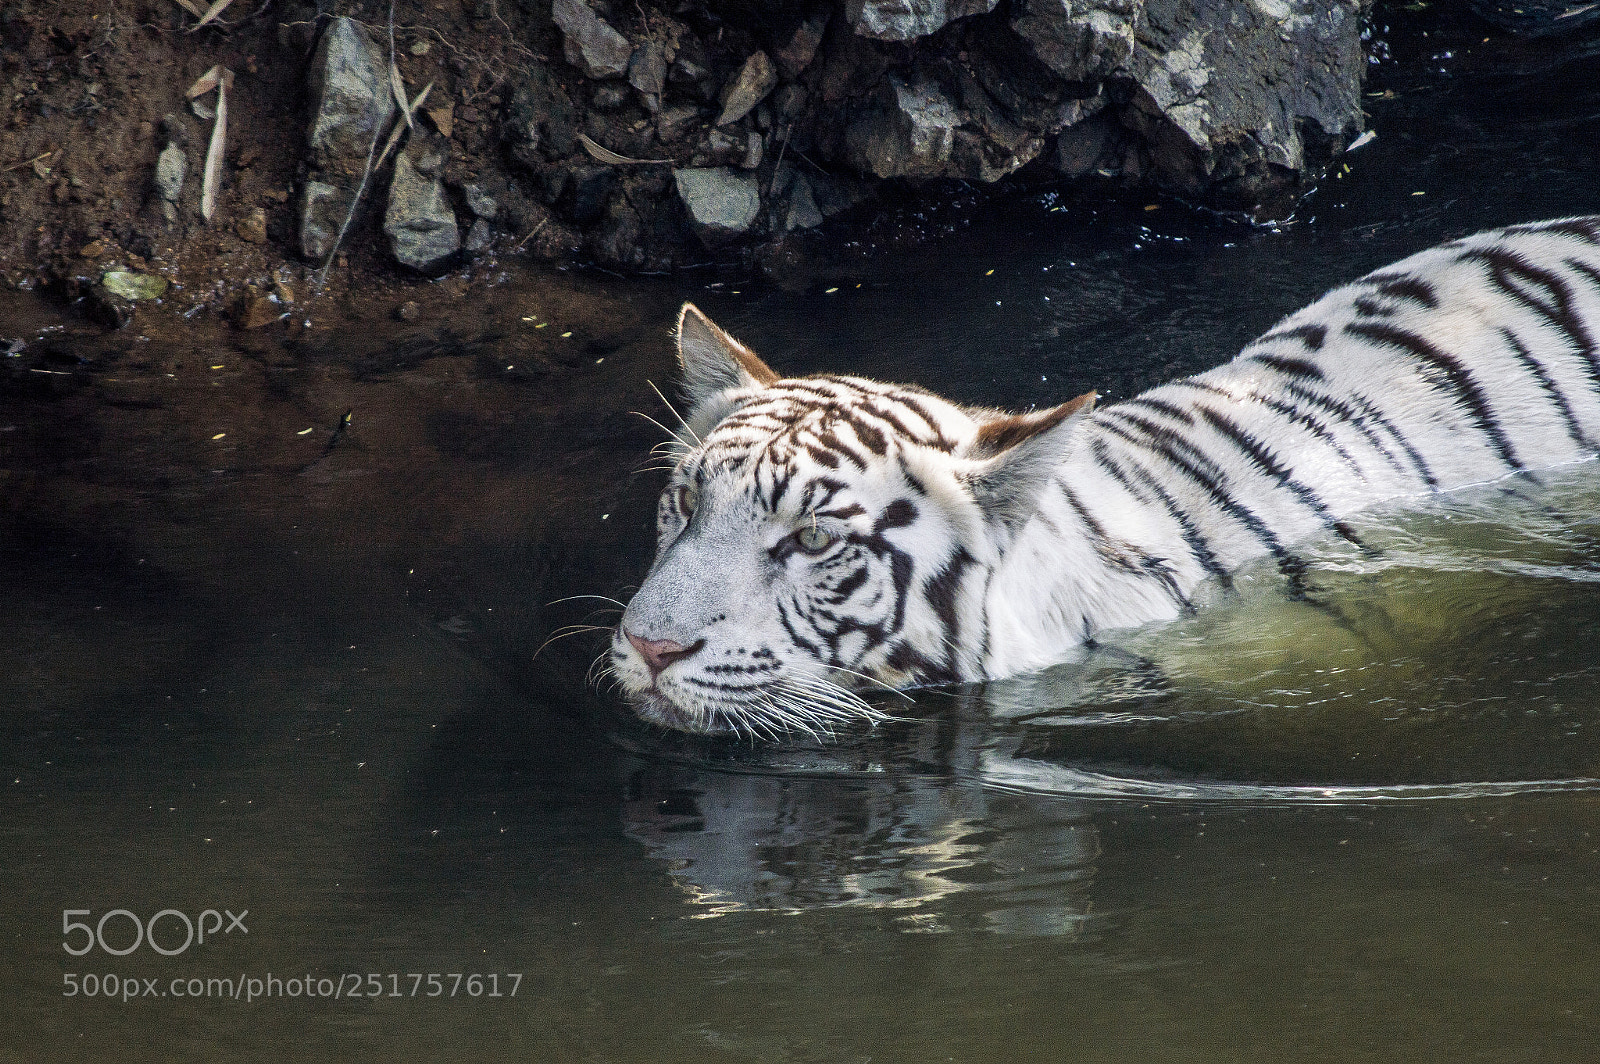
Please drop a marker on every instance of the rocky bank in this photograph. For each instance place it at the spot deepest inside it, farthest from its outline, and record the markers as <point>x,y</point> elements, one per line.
<point>639,136</point>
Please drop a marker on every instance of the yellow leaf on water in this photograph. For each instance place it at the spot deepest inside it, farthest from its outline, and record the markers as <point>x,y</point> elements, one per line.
<point>219,435</point>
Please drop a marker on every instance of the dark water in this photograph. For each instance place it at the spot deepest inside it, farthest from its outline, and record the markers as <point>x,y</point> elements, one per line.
<point>304,685</point>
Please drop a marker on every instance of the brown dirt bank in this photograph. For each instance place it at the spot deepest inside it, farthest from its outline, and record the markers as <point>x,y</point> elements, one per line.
<point>852,106</point>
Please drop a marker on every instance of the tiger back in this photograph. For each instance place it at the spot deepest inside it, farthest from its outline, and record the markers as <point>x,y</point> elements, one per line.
<point>827,533</point>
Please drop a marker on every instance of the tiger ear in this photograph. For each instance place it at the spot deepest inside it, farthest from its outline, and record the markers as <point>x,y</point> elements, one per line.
<point>1014,457</point>
<point>714,363</point>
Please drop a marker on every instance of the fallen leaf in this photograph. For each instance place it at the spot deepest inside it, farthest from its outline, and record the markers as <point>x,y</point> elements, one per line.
<point>606,155</point>
<point>212,12</point>
<point>1366,138</point>
<point>205,82</point>
<point>399,88</point>
<point>394,134</point>
<point>134,286</point>
<point>443,117</point>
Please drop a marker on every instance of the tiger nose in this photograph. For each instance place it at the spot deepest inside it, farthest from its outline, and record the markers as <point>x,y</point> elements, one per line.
<point>659,653</point>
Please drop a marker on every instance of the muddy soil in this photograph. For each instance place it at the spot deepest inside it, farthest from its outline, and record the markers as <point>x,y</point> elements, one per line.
<point>94,93</point>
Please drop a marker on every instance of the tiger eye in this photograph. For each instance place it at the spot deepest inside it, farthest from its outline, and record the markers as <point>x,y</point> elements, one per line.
<point>688,499</point>
<point>812,539</point>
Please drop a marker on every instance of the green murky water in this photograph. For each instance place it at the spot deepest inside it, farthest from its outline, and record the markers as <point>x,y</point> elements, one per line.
<point>305,695</point>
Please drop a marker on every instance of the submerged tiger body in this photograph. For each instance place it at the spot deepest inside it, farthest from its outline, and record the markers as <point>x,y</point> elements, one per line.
<point>825,533</point>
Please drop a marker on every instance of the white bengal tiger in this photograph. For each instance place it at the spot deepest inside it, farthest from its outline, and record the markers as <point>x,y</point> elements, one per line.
<point>824,533</point>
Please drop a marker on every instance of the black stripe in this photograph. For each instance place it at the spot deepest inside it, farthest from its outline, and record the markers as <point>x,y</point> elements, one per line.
<point>1146,565</point>
<point>1471,396</point>
<point>1533,366</point>
<point>941,592</point>
<point>1312,335</point>
<point>1198,546</point>
<point>794,636</point>
<point>1357,419</point>
<point>1506,268</point>
<point>1299,368</point>
<point>1161,406</point>
<point>1412,288</point>
<point>1294,414</point>
<point>1168,444</point>
<point>1586,228</point>
<point>1268,463</point>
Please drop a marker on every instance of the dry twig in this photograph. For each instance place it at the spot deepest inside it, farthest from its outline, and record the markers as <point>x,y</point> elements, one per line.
<point>219,134</point>
<point>28,162</point>
<point>212,12</point>
<point>402,123</point>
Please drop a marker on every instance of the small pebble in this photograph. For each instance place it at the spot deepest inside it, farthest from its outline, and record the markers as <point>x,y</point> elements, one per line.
<point>253,227</point>
<point>408,311</point>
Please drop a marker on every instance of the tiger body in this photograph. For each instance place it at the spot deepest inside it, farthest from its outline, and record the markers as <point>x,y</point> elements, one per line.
<point>828,532</point>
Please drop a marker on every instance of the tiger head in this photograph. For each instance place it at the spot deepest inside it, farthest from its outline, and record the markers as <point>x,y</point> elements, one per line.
<point>820,535</point>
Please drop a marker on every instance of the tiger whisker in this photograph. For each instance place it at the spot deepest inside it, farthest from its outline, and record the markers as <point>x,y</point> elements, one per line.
<point>566,633</point>
<point>602,598</point>
<point>665,402</point>
<point>685,443</point>
<point>872,680</point>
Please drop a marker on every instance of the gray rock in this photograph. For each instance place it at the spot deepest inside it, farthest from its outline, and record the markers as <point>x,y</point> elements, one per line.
<point>478,237</point>
<point>905,20</point>
<point>108,308</point>
<point>754,148</point>
<point>609,96</point>
<point>419,223</point>
<point>722,203</point>
<point>171,168</point>
<point>1079,148</point>
<point>1230,93</point>
<point>998,146</point>
<point>479,200</point>
<point>540,121</point>
<point>673,122</point>
<point>647,70</point>
<point>618,240</point>
<point>351,100</point>
<point>756,79</point>
<point>1079,39</point>
<point>788,103</point>
<point>910,133</point>
<point>691,69</point>
<point>590,43</point>
<point>793,58</point>
<point>322,211</point>
<point>802,212</point>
